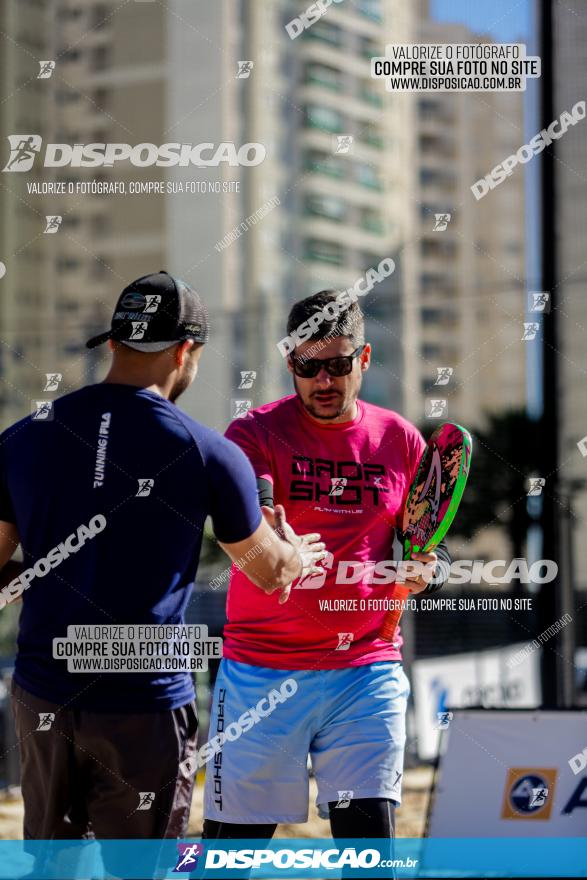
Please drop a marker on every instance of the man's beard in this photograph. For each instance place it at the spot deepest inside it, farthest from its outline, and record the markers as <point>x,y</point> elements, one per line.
<point>346,404</point>
<point>183,383</point>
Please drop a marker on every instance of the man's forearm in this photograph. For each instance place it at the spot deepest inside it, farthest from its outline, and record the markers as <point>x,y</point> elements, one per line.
<point>270,563</point>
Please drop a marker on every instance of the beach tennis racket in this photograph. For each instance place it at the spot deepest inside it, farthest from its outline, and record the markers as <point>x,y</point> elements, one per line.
<point>432,502</point>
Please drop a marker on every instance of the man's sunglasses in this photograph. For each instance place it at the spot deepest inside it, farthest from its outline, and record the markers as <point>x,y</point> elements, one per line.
<point>336,366</point>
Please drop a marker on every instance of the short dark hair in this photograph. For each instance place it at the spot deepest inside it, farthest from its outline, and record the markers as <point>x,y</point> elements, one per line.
<point>349,322</point>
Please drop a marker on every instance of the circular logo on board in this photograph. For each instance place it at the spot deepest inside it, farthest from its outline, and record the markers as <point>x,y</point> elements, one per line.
<point>529,793</point>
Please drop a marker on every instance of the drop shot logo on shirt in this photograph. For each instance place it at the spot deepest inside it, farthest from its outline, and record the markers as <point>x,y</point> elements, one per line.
<point>348,482</point>
<point>102,447</point>
<point>345,483</point>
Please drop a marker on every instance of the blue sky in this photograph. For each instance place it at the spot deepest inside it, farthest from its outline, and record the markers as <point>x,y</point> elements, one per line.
<point>502,19</point>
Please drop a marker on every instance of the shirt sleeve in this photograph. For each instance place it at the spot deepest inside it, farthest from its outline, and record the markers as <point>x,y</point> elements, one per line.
<point>234,506</point>
<point>247,434</point>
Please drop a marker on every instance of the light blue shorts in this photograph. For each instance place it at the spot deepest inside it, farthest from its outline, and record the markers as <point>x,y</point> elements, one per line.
<point>265,723</point>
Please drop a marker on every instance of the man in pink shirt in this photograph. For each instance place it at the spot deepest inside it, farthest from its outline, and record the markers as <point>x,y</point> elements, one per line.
<point>306,673</point>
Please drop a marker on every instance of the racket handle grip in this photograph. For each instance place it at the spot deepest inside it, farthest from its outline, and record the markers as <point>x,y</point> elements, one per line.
<point>392,618</point>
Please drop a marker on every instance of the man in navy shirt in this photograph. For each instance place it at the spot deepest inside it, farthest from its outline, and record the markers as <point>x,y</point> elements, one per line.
<point>108,496</point>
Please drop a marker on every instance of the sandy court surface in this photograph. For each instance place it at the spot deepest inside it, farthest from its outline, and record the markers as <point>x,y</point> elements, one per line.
<point>411,816</point>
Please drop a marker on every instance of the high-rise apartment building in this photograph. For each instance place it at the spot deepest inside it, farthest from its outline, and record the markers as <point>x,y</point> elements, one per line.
<point>132,73</point>
<point>352,174</point>
<point>338,158</point>
<point>570,207</point>
<point>361,174</point>
<point>468,284</point>
<point>27,319</point>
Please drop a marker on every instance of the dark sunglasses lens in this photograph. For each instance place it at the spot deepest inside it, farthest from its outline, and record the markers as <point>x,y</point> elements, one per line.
<point>340,366</point>
<point>306,369</point>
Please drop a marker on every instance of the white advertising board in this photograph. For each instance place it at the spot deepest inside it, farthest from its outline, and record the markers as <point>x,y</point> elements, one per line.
<point>512,774</point>
<point>479,678</point>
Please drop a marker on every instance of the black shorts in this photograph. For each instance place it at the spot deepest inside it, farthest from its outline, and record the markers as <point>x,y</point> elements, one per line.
<point>88,775</point>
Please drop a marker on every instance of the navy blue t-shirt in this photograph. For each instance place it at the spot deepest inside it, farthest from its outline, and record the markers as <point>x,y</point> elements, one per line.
<point>104,444</point>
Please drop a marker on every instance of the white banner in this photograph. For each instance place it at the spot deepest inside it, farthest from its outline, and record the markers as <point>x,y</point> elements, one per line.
<point>513,774</point>
<point>479,678</point>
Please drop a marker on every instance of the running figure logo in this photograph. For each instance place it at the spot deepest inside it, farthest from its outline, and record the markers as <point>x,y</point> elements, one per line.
<point>187,859</point>
<point>47,68</point>
<point>53,223</point>
<point>144,489</point>
<point>343,143</point>
<point>24,148</point>
<point>139,328</point>
<point>247,378</point>
<point>241,408</point>
<point>344,800</point>
<point>46,720</point>
<point>538,798</point>
<point>146,800</point>
<point>536,485</point>
<point>244,69</point>
<point>444,375</point>
<point>153,302</point>
<point>436,408</point>
<point>315,581</point>
<point>443,720</point>
<point>529,793</point>
<point>441,222</point>
<point>53,380</point>
<point>530,331</point>
<point>42,410</point>
<point>540,301</point>
<point>337,486</point>
<point>344,641</point>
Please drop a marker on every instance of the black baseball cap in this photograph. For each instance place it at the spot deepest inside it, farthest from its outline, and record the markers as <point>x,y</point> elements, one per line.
<point>154,312</point>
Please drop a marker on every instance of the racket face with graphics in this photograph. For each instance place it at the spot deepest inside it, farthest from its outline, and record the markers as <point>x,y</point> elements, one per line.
<point>432,501</point>
<point>436,492</point>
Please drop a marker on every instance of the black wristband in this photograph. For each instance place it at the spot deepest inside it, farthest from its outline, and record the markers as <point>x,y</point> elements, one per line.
<point>442,570</point>
<point>265,490</point>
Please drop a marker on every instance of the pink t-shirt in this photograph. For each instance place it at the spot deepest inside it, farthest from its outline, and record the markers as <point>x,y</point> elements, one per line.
<point>347,481</point>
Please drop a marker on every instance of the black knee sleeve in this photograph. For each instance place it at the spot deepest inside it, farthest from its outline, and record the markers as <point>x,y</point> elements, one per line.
<point>364,817</point>
<point>234,831</point>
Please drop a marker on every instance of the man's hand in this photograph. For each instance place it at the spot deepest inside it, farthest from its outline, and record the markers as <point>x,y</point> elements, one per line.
<point>309,548</point>
<point>417,584</point>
